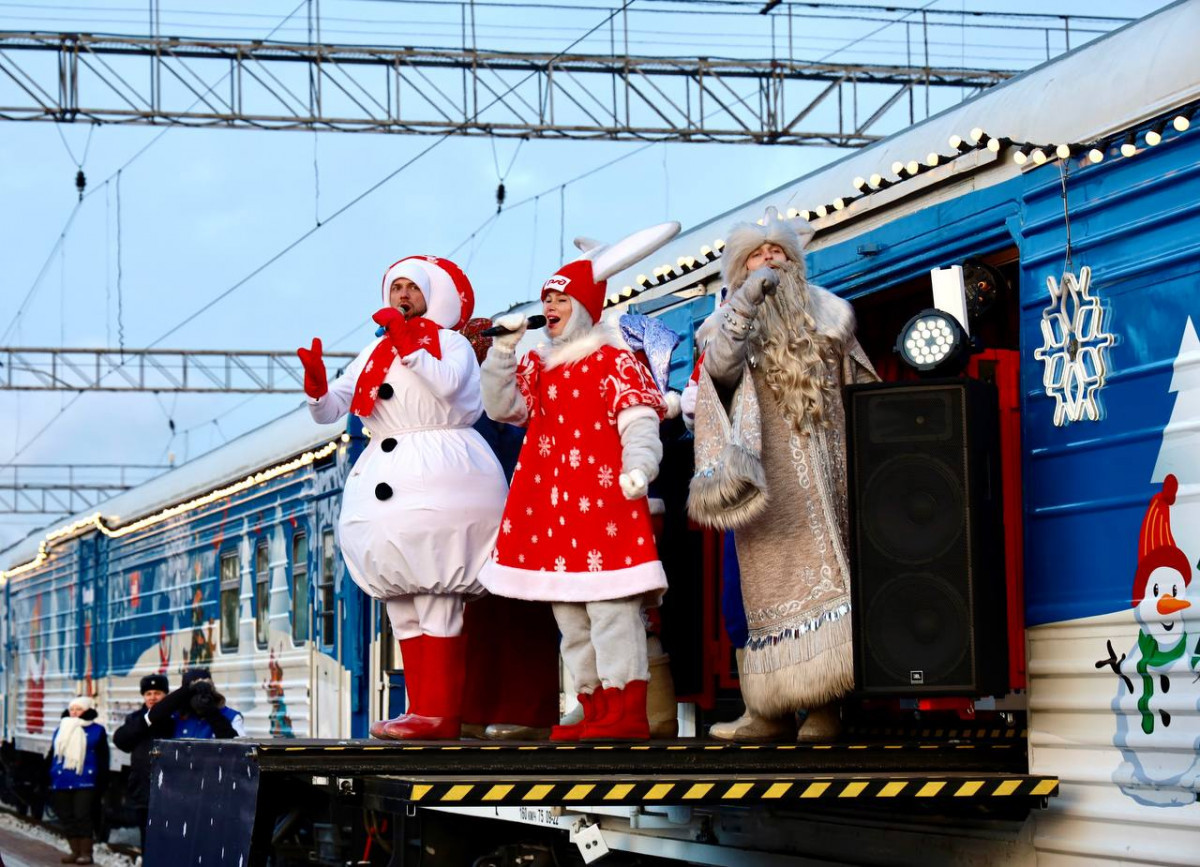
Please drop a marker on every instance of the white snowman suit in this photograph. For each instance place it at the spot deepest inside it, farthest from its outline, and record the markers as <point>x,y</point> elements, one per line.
<point>421,508</point>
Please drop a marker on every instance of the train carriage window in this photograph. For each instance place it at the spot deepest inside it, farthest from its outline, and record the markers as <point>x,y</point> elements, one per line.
<point>299,587</point>
<point>328,603</point>
<point>230,593</point>
<point>262,593</point>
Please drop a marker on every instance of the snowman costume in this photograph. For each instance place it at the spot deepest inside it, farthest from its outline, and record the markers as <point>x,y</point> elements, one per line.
<point>421,507</point>
<point>1159,737</point>
<point>577,530</point>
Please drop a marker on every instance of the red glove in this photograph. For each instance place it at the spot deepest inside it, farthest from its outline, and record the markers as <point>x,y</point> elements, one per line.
<point>409,335</point>
<point>315,383</point>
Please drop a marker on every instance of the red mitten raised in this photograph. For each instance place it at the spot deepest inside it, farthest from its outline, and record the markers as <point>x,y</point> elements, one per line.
<point>315,382</point>
<point>409,335</point>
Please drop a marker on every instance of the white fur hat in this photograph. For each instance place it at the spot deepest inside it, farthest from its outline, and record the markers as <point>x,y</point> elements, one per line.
<point>744,238</point>
<point>83,702</point>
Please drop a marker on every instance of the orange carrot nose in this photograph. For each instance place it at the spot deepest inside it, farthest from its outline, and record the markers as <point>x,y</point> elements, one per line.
<point>1169,605</point>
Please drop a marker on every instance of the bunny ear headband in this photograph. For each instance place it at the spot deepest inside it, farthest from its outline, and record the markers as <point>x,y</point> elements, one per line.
<point>584,278</point>
<point>610,259</point>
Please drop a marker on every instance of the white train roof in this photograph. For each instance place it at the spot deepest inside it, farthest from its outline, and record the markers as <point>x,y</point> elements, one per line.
<point>1138,72</point>
<point>278,440</point>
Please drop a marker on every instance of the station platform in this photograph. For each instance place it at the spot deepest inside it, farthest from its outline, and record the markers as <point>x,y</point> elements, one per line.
<point>249,783</point>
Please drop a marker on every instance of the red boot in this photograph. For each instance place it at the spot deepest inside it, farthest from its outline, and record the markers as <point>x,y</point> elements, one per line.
<point>412,650</point>
<point>439,714</point>
<point>624,716</point>
<point>592,704</point>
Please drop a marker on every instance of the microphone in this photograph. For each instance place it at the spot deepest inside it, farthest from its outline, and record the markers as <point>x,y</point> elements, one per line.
<point>537,321</point>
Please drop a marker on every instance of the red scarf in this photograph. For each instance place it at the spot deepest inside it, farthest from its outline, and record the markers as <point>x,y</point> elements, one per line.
<point>402,337</point>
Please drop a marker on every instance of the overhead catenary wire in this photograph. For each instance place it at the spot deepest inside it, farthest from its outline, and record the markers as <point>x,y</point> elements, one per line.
<point>308,233</point>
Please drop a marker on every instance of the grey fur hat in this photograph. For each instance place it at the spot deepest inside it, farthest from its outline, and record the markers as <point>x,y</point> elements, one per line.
<point>792,235</point>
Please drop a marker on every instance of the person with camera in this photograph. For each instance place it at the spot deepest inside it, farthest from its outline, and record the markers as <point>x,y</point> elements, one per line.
<point>135,736</point>
<point>197,710</point>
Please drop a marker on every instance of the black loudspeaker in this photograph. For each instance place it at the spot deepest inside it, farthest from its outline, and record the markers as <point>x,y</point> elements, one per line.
<point>927,538</point>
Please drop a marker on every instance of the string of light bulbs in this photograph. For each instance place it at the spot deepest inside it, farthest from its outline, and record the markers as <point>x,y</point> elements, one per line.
<point>1023,153</point>
<point>96,522</point>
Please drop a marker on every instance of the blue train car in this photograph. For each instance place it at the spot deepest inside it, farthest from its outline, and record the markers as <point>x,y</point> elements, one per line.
<point>228,562</point>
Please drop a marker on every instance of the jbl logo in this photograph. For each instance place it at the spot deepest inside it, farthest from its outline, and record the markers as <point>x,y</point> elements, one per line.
<point>916,678</point>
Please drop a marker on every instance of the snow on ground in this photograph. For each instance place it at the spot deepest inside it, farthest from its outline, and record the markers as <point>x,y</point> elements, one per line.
<point>102,855</point>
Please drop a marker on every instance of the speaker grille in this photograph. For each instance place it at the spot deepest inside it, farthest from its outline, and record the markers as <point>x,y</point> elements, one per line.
<point>913,509</point>
<point>927,571</point>
<point>919,630</point>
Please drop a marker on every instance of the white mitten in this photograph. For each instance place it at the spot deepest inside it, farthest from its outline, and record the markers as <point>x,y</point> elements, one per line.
<point>761,283</point>
<point>641,450</point>
<point>514,325</point>
<point>633,484</point>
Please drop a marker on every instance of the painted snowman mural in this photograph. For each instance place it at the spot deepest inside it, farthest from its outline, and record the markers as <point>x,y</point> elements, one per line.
<point>1158,695</point>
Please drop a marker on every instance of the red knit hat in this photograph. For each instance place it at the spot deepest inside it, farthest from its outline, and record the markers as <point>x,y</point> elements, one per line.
<point>576,279</point>
<point>1156,544</point>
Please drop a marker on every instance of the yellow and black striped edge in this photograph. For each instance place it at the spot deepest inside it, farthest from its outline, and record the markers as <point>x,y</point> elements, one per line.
<point>730,790</point>
<point>938,742</point>
<point>993,733</point>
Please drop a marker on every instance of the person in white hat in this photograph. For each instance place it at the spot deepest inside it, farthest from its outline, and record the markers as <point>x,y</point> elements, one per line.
<point>421,507</point>
<point>794,344</point>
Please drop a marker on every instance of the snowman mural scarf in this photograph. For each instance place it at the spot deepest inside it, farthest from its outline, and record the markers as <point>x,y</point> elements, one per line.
<point>1154,657</point>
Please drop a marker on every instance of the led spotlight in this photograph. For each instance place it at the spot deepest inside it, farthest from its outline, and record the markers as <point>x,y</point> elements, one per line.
<point>879,182</point>
<point>933,341</point>
<point>822,210</point>
<point>792,213</point>
<point>1022,155</point>
<point>839,203</point>
<point>977,136</point>
<point>994,144</point>
<point>1095,155</point>
<point>958,144</point>
<point>1063,151</point>
<point>912,167</point>
<point>932,159</point>
<point>1182,122</point>
<point>860,183</point>
<point>642,280</point>
<point>1129,146</point>
<point>1155,133</point>
<point>897,167</point>
<point>1039,156</point>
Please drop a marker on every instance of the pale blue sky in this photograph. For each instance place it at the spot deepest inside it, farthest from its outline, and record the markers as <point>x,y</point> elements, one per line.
<point>202,209</point>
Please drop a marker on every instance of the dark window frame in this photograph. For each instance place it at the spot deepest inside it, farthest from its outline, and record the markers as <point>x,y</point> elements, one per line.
<point>301,614</point>
<point>225,585</point>
<point>262,613</point>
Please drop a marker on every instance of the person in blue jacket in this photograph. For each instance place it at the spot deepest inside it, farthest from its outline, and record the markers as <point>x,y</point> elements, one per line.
<point>198,710</point>
<point>78,771</point>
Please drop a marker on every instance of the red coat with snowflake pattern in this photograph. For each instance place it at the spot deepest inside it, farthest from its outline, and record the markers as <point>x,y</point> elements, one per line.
<point>568,534</point>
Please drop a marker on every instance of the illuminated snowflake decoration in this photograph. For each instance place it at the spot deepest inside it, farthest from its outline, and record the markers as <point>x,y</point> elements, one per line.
<point>1073,349</point>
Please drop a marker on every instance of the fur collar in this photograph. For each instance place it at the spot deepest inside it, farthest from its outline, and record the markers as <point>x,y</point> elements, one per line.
<point>581,347</point>
<point>834,316</point>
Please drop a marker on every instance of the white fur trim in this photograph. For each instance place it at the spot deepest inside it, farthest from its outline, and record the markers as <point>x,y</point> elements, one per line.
<point>833,316</point>
<point>645,579</point>
<point>410,269</point>
<point>631,414</point>
<point>674,403</point>
<point>554,355</point>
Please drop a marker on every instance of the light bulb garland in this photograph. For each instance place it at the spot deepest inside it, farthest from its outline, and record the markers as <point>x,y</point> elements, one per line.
<point>96,521</point>
<point>1023,154</point>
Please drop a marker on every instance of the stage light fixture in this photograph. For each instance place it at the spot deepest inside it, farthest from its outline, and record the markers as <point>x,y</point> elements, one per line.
<point>934,342</point>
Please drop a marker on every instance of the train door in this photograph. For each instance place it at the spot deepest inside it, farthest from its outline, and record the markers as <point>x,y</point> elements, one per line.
<point>328,682</point>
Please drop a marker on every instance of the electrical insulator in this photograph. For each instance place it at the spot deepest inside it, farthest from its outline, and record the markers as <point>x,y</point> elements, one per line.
<point>500,192</point>
<point>80,183</point>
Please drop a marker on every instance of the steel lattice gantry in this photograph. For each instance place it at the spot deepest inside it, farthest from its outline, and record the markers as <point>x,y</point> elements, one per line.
<point>272,85</point>
<point>160,370</point>
<point>46,489</point>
